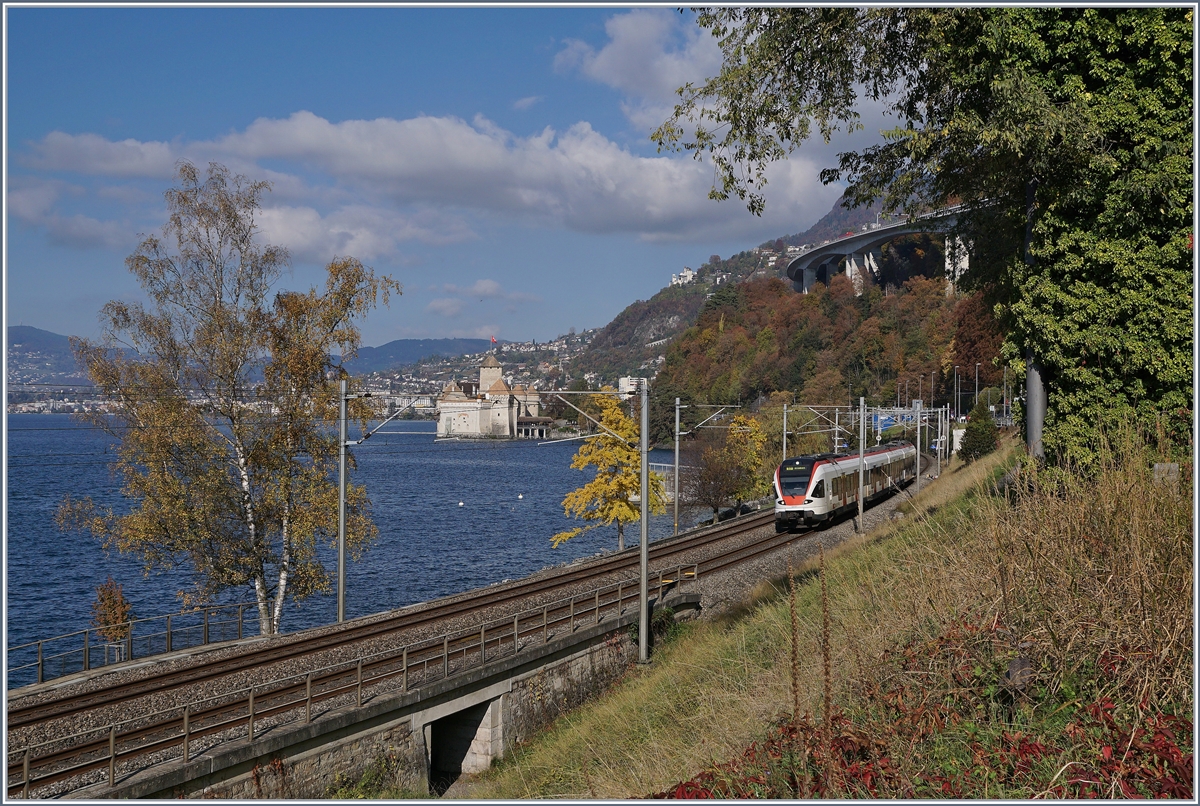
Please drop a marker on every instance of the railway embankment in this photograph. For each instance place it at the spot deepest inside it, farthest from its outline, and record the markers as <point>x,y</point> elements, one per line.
<point>1014,635</point>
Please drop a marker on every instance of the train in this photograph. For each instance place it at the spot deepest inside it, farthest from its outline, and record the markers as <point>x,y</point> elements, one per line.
<point>816,489</point>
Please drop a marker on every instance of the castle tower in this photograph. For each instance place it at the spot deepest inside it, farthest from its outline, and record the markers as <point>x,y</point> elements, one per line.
<point>490,371</point>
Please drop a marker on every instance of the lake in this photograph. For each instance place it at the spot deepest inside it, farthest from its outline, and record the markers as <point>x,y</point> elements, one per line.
<point>428,545</point>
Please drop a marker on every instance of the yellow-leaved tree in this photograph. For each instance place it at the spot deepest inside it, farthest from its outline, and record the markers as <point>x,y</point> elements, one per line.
<point>607,497</point>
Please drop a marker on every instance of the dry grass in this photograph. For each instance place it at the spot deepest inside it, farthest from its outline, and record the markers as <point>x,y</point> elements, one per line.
<point>1090,580</point>
<point>711,691</point>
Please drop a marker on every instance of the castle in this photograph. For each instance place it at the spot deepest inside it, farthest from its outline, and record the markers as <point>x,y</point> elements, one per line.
<point>491,409</point>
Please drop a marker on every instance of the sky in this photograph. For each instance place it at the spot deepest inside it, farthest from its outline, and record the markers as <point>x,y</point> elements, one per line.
<point>494,161</point>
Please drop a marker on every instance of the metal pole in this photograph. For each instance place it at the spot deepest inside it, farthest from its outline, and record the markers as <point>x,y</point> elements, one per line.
<point>644,619</point>
<point>341,583</point>
<point>862,438</point>
<point>785,432</point>
<point>676,500</point>
<point>918,447</point>
<point>956,391</point>
<point>976,403</point>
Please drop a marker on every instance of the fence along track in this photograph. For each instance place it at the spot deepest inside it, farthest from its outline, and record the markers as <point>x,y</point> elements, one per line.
<point>33,714</point>
<point>110,747</point>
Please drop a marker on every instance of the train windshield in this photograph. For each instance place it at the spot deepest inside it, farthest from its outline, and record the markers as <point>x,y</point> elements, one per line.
<point>794,475</point>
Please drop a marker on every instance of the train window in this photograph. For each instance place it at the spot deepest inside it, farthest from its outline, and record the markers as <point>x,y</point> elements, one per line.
<point>819,490</point>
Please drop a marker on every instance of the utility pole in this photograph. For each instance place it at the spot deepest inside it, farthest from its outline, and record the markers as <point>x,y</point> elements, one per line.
<point>676,499</point>
<point>976,403</point>
<point>1035,387</point>
<point>1004,405</point>
<point>785,431</point>
<point>644,617</point>
<point>341,574</point>
<point>956,391</point>
<point>862,438</point>
<point>918,447</point>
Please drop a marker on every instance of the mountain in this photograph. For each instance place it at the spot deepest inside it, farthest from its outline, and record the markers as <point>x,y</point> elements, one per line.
<point>39,356</point>
<point>410,351</point>
<point>637,340</point>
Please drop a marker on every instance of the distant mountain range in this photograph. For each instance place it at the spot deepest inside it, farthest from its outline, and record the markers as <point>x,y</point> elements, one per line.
<point>410,351</point>
<point>39,356</point>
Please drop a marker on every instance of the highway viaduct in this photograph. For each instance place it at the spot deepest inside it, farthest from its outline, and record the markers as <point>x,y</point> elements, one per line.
<point>820,263</point>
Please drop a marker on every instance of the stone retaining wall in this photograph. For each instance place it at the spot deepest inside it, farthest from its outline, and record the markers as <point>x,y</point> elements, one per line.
<point>391,732</point>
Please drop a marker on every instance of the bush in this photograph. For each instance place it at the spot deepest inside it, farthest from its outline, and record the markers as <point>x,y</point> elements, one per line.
<point>980,438</point>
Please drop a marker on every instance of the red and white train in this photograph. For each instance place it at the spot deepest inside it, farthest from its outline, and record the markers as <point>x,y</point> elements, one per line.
<point>813,489</point>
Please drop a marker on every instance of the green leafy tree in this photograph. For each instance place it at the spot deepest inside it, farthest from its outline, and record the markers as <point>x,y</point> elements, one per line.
<point>980,436</point>
<point>607,497</point>
<point>1065,133</point>
<point>219,398</point>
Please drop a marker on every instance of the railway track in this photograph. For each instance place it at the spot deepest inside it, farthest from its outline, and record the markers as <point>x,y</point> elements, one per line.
<point>70,756</point>
<point>202,671</point>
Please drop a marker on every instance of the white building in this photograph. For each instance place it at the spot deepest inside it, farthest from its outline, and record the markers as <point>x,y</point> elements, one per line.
<point>684,277</point>
<point>491,409</point>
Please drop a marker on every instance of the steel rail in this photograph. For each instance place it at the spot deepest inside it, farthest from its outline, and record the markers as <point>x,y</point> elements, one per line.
<point>167,733</point>
<point>23,716</point>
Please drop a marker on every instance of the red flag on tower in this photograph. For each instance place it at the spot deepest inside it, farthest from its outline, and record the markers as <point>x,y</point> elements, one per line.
<point>493,339</point>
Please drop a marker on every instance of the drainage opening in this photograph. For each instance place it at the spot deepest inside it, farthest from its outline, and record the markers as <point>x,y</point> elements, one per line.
<point>459,743</point>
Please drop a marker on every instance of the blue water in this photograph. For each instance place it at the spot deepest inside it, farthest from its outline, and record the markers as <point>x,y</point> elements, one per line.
<point>428,545</point>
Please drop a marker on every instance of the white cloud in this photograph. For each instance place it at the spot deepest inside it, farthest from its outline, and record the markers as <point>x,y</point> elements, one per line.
<point>382,182</point>
<point>92,154</point>
<point>525,103</point>
<point>32,201</point>
<point>366,232</point>
<point>649,55</point>
<point>447,307</point>
<point>479,332</point>
<point>489,289</point>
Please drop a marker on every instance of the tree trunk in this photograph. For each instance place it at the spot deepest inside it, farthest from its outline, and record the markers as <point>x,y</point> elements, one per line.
<point>620,535</point>
<point>266,624</point>
<point>284,567</point>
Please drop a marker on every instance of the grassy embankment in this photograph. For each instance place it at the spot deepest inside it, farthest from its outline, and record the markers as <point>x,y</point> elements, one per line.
<point>998,646</point>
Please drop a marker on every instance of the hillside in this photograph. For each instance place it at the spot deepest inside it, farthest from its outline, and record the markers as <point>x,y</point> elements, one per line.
<point>629,345</point>
<point>39,356</point>
<point>410,351</point>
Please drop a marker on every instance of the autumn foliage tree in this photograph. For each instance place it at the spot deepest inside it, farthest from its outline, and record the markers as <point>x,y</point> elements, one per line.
<point>728,465</point>
<point>606,499</point>
<point>111,611</point>
<point>220,393</point>
<point>1064,134</point>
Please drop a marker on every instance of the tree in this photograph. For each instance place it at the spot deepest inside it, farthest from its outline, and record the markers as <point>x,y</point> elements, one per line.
<point>111,612</point>
<point>711,478</point>
<point>728,465</point>
<point>980,437</point>
<point>220,395</point>
<point>618,462</point>
<point>1066,133</point>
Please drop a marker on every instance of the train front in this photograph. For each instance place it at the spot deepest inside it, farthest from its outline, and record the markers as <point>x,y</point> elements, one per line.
<point>791,486</point>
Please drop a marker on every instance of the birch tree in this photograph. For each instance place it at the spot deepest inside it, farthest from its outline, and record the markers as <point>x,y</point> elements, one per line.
<point>221,400</point>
